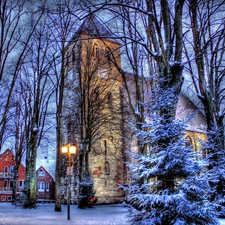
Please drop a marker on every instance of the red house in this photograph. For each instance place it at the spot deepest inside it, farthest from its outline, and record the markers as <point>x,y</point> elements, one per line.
<point>45,184</point>
<point>7,163</point>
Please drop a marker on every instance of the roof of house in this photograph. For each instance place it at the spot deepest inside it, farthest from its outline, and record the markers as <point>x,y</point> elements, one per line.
<point>45,171</point>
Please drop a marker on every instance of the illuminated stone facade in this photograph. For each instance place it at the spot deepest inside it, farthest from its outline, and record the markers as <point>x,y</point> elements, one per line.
<point>93,103</point>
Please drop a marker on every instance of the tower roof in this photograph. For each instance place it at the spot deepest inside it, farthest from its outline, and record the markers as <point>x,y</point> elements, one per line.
<point>94,27</point>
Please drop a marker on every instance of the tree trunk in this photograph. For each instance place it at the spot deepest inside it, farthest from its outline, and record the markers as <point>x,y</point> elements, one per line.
<point>59,112</point>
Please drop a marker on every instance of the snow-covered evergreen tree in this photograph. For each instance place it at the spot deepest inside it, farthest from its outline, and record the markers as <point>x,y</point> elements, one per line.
<point>168,186</point>
<point>214,153</point>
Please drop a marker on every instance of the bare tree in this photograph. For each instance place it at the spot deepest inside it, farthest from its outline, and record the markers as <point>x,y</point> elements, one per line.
<point>205,51</point>
<point>63,24</point>
<point>92,96</point>
<point>16,32</point>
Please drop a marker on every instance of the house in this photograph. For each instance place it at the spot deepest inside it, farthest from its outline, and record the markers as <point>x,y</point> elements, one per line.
<point>7,163</point>
<point>45,184</point>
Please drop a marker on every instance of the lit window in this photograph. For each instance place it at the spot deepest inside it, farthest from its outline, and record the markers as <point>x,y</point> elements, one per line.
<point>188,141</point>
<point>41,186</point>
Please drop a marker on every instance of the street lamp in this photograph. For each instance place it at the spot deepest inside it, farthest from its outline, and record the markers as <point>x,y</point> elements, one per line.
<point>69,149</point>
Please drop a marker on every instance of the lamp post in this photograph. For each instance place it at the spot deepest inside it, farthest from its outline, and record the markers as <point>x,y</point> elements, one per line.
<point>69,149</point>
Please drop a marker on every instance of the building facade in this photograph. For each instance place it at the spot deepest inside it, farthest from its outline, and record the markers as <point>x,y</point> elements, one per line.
<point>96,111</point>
<point>7,163</point>
<point>45,184</point>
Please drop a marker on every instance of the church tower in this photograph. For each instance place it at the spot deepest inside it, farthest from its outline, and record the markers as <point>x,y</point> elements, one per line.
<point>92,116</point>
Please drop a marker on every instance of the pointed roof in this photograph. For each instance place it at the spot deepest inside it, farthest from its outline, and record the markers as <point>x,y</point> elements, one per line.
<point>95,28</point>
<point>42,167</point>
<point>92,26</point>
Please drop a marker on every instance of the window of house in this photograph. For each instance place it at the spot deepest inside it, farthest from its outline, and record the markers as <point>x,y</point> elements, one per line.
<point>9,198</point>
<point>3,198</point>
<point>5,185</point>
<point>107,168</point>
<point>6,169</point>
<point>11,169</point>
<point>21,183</point>
<point>41,172</point>
<point>47,186</point>
<point>11,184</point>
<point>41,186</point>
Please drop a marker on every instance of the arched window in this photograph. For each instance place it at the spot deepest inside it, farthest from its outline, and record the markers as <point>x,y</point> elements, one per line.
<point>107,168</point>
<point>188,141</point>
<point>95,50</point>
<point>109,99</point>
<point>107,54</point>
<point>105,147</point>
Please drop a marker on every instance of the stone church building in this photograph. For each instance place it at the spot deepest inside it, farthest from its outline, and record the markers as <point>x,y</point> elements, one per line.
<point>94,110</point>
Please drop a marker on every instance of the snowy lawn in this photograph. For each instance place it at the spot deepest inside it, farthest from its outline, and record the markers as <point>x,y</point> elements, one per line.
<point>222,221</point>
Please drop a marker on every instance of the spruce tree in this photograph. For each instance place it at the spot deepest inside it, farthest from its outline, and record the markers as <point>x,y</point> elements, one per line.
<point>214,154</point>
<point>168,185</point>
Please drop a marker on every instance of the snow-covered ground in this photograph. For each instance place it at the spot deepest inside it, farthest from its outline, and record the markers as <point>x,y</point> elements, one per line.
<point>44,214</point>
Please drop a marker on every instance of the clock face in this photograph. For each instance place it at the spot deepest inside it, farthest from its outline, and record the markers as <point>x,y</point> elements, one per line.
<point>103,73</point>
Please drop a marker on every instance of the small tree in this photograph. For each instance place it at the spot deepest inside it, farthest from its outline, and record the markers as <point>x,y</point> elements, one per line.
<point>166,187</point>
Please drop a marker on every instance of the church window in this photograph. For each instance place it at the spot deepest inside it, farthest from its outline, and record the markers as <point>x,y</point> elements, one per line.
<point>95,50</point>
<point>105,147</point>
<point>107,54</point>
<point>107,168</point>
<point>188,141</point>
<point>109,98</point>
